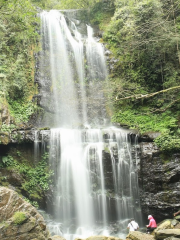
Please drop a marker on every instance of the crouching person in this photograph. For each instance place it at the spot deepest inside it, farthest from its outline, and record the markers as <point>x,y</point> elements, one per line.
<point>152,224</point>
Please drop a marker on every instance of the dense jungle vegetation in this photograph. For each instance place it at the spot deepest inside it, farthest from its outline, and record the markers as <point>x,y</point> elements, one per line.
<point>143,37</point>
<point>143,89</point>
<point>19,37</point>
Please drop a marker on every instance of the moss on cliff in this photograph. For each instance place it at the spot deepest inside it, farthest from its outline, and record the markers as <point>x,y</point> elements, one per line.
<point>29,178</point>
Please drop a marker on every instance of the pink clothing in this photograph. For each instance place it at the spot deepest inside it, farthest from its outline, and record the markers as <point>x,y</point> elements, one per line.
<point>152,223</point>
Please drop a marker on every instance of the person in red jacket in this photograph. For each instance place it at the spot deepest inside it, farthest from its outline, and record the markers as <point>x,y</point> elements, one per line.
<point>152,224</point>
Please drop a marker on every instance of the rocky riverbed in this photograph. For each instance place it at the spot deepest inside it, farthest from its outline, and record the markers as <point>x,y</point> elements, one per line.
<point>21,221</point>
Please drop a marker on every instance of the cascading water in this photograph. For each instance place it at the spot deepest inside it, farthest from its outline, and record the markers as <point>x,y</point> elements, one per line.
<point>96,185</point>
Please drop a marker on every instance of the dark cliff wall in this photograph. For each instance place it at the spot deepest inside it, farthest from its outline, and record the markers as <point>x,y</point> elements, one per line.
<point>159,180</point>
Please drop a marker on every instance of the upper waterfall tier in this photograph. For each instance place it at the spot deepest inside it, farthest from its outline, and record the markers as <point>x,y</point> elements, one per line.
<point>70,73</point>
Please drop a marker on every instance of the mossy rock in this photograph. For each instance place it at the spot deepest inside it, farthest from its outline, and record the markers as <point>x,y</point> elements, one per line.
<point>166,233</point>
<point>20,217</point>
<point>45,128</point>
<point>166,224</point>
<point>4,138</point>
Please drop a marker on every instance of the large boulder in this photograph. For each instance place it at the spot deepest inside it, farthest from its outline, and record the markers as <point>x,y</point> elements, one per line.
<point>100,238</point>
<point>136,235</point>
<point>18,219</point>
<point>166,233</point>
<point>171,238</point>
<point>56,237</point>
<point>166,224</point>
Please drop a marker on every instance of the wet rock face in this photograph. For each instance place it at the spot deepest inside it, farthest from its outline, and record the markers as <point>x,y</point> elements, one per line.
<point>12,177</point>
<point>159,179</point>
<point>149,136</point>
<point>24,135</point>
<point>31,227</point>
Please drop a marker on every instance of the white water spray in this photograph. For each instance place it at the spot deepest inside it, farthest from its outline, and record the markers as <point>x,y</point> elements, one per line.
<point>95,179</point>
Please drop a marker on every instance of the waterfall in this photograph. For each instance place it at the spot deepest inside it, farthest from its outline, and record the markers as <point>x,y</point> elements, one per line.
<point>95,57</point>
<point>60,95</point>
<point>95,182</point>
<point>69,90</point>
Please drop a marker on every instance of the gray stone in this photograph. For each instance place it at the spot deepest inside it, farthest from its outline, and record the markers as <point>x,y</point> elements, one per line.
<point>101,238</point>
<point>32,227</point>
<point>166,224</point>
<point>56,237</point>
<point>136,235</point>
<point>174,222</point>
<point>163,234</point>
<point>171,238</point>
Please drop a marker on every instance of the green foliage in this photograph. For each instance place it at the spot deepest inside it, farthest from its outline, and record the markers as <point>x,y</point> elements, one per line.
<point>68,4</point>
<point>146,123</point>
<point>21,110</point>
<point>165,123</point>
<point>64,4</point>
<point>33,203</point>
<point>36,178</point>
<point>101,12</point>
<point>7,161</point>
<point>168,142</point>
<point>143,36</point>
<point>79,4</point>
<point>19,38</point>
<point>19,218</point>
<point>7,128</point>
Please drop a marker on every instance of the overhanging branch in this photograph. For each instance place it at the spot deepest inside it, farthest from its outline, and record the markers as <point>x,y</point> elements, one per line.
<point>140,96</point>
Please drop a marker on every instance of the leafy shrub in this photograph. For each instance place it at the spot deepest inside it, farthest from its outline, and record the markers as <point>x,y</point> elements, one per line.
<point>146,123</point>
<point>36,178</point>
<point>7,161</point>
<point>22,110</point>
<point>18,32</point>
<point>167,142</point>
<point>33,203</point>
<point>7,128</point>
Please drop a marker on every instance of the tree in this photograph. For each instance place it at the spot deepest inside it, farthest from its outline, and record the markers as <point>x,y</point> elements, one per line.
<point>18,25</point>
<point>144,37</point>
<point>79,4</point>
